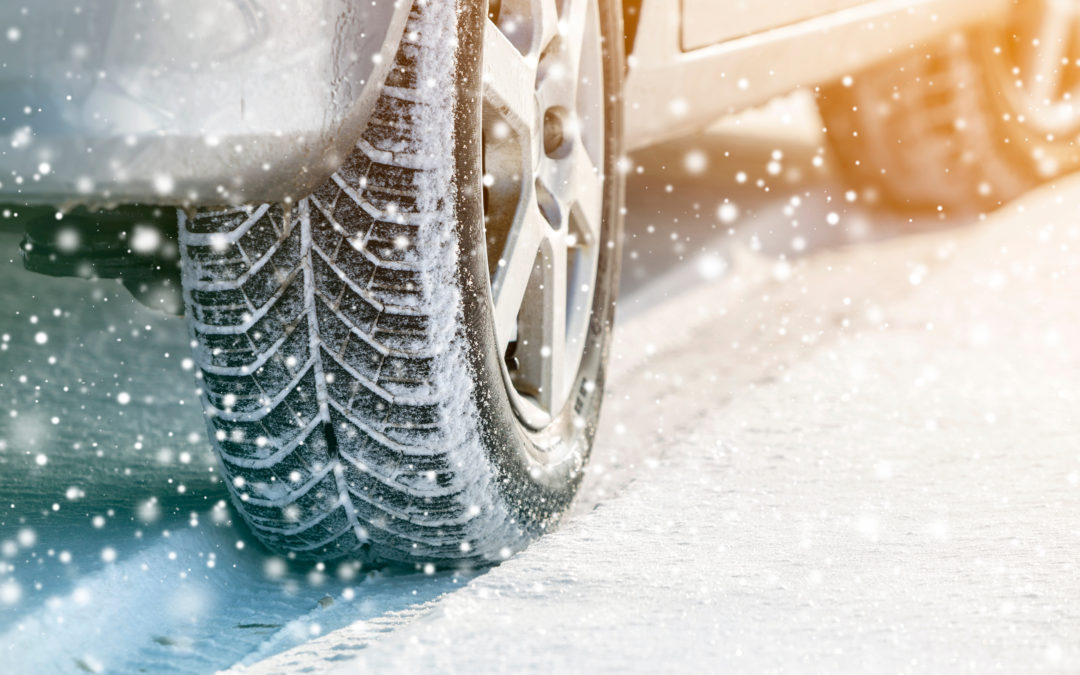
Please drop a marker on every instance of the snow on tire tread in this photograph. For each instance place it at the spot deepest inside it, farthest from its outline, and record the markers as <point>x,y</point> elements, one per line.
<point>333,372</point>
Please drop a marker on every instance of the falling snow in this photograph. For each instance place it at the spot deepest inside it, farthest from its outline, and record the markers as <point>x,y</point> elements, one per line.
<point>838,437</point>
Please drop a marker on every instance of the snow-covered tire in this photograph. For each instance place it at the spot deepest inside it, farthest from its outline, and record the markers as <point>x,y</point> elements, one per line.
<point>944,128</point>
<point>346,344</point>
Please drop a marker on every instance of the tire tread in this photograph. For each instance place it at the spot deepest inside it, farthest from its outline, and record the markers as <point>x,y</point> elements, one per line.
<point>317,310</point>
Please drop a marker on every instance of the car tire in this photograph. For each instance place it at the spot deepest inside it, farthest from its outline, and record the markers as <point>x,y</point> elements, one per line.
<point>952,128</point>
<point>357,386</point>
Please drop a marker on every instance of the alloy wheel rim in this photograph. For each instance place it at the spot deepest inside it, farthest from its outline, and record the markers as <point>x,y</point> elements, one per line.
<point>1040,68</point>
<point>543,150</point>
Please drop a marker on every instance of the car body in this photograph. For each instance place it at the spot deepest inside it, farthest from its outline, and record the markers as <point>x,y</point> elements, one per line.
<point>206,102</point>
<point>189,101</point>
<point>696,60</point>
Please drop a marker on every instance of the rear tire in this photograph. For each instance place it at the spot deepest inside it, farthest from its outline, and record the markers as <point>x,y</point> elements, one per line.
<point>945,130</point>
<point>349,366</point>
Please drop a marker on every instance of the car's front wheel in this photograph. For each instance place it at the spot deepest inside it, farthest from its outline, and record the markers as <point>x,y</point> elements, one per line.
<point>407,365</point>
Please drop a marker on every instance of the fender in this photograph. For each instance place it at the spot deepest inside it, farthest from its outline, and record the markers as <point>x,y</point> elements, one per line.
<point>186,102</point>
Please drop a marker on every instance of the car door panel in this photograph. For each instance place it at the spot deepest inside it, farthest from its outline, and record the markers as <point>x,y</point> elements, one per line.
<point>671,91</point>
<point>706,22</point>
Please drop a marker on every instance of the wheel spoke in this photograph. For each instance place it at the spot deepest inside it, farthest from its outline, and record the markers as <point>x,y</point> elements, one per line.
<point>589,194</point>
<point>508,81</point>
<point>1053,31</point>
<point>574,21</point>
<point>515,270</point>
<point>538,353</point>
<point>553,352</point>
<point>548,21</point>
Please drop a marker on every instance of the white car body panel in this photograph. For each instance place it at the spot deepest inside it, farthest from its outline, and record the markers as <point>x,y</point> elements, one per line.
<point>702,27</point>
<point>204,102</point>
<point>186,101</point>
<point>671,91</point>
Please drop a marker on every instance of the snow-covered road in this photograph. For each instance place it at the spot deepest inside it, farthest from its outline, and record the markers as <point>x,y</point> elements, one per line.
<point>814,458</point>
<point>866,462</point>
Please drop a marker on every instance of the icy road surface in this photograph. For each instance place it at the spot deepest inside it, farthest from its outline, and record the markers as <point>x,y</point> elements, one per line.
<point>819,453</point>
